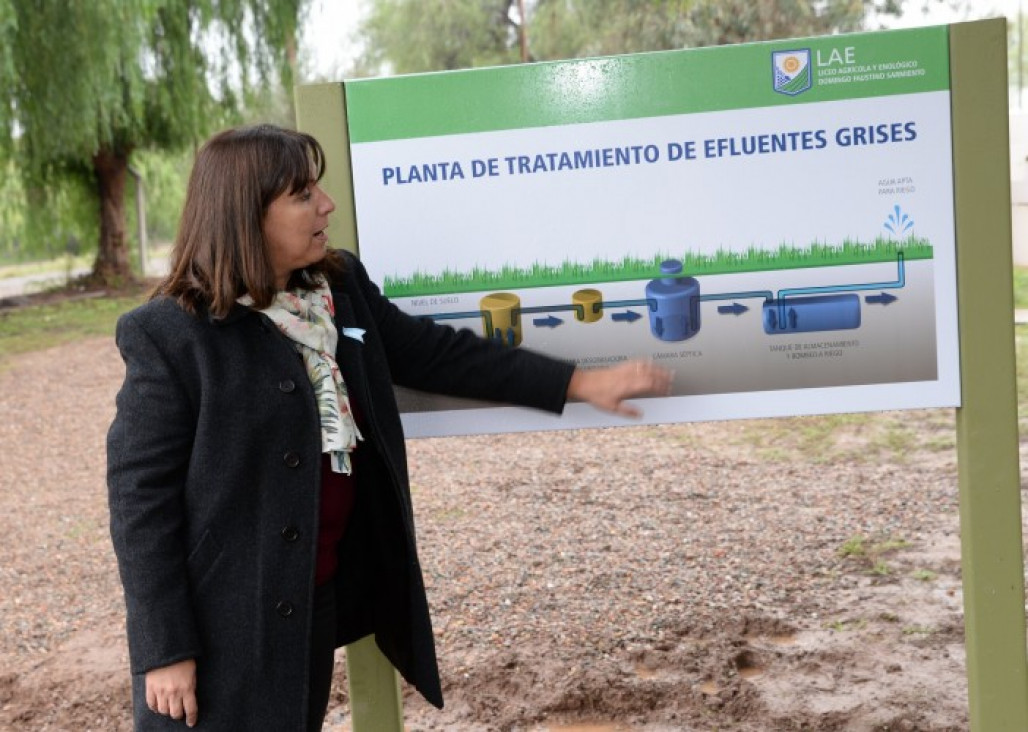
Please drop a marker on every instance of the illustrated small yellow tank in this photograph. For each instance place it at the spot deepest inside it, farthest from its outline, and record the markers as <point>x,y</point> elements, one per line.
<point>499,317</point>
<point>590,300</point>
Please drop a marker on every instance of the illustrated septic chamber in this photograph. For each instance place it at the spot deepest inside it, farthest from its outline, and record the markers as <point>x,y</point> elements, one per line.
<point>674,303</point>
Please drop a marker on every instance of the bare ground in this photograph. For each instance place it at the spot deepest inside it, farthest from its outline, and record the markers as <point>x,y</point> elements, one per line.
<point>795,574</point>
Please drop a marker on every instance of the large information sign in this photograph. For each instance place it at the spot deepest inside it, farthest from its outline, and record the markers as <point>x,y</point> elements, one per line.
<point>773,221</point>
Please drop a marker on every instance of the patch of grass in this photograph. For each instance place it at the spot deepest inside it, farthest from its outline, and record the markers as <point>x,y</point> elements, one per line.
<point>925,575</point>
<point>918,630</point>
<point>880,567</point>
<point>36,327</point>
<point>871,554</point>
<point>847,624</point>
<point>66,263</point>
<point>853,547</point>
<point>862,438</point>
<point>899,440</point>
<point>890,545</point>
<point>943,442</point>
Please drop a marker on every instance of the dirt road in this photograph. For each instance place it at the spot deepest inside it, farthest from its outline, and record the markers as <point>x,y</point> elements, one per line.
<point>779,575</point>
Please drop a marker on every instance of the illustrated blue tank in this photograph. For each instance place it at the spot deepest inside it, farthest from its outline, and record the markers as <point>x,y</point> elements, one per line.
<point>814,313</point>
<point>674,303</point>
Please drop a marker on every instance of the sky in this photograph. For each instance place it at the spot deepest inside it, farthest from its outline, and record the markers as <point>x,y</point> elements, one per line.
<point>327,44</point>
<point>326,38</point>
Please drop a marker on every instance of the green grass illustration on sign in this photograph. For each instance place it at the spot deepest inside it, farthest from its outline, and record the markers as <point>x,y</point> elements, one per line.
<point>629,268</point>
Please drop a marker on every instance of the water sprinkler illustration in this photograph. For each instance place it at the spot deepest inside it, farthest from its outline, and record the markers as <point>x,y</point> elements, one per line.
<point>898,222</point>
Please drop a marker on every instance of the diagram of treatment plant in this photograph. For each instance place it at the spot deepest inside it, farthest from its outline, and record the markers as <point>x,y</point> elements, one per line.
<point>825,316</point>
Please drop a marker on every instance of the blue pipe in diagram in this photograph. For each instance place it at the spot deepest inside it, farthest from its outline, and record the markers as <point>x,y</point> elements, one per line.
<point>828,311</point>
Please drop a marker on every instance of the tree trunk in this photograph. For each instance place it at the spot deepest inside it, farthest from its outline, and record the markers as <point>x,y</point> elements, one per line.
<point>112,261</point>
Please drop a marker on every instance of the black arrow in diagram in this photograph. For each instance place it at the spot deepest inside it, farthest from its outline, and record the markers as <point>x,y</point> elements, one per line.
<point>550,321</point>
<point>734,309</point>
<point>884,299</point>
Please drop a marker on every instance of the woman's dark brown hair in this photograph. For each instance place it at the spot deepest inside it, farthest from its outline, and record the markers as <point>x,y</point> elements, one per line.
<point>220,252</point>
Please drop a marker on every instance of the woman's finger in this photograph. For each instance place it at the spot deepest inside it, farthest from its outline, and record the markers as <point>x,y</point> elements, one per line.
<point>191,709</point>
<point>175,707</point>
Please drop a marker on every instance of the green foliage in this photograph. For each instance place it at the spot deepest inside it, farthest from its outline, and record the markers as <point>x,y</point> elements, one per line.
<point>577,28</point>
<point>12,210</point>
<point>573,28</point>
<point>404,36</point>
<point>103,79</point>
<point>64,222</point>
<point>69,226</point>
<point>164,182</point>
<point>717,22</point>
<point>8,27</point>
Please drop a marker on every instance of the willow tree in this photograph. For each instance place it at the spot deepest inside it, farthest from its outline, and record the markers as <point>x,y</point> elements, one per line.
<point>402,36</point>
<point>88,83</point>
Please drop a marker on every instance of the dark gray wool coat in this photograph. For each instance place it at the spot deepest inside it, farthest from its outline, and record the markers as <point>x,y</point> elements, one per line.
<point>214,475</point>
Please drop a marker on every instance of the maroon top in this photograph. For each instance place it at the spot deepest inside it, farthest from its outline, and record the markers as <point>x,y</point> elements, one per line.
<point>337,497</point>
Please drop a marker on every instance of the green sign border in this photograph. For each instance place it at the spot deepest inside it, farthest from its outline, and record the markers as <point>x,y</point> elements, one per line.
<point>643,85</point>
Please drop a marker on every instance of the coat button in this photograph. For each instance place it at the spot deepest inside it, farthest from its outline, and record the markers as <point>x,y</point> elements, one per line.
<point>290,533</point>
<point>286,385</point>
<point>285,609</point>
<point>291,459</point>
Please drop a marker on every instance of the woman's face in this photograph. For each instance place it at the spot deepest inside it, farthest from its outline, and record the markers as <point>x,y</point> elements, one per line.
<point>294,229</point>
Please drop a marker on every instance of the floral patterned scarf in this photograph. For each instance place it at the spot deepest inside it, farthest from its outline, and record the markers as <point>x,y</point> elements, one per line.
<point>306,318</point>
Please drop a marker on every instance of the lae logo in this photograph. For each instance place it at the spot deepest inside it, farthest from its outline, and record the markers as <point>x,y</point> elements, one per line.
<point>791,71</point>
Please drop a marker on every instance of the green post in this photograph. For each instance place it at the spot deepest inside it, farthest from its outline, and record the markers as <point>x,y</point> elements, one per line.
<point>987,439</point>
<point>321,111</point>
<point>375,701</point>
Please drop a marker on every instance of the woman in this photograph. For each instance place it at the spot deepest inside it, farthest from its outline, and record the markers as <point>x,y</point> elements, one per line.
<point>259,499</point>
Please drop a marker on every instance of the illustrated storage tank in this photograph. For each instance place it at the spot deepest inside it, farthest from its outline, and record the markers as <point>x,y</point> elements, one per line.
<point>810,314</point>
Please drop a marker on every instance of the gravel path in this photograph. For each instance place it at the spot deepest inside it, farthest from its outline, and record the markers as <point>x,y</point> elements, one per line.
<point>684,577</point>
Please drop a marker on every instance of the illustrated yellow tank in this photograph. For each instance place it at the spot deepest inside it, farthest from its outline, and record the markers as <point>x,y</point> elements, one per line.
<point>500,319</point>
<point>590,300</point>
